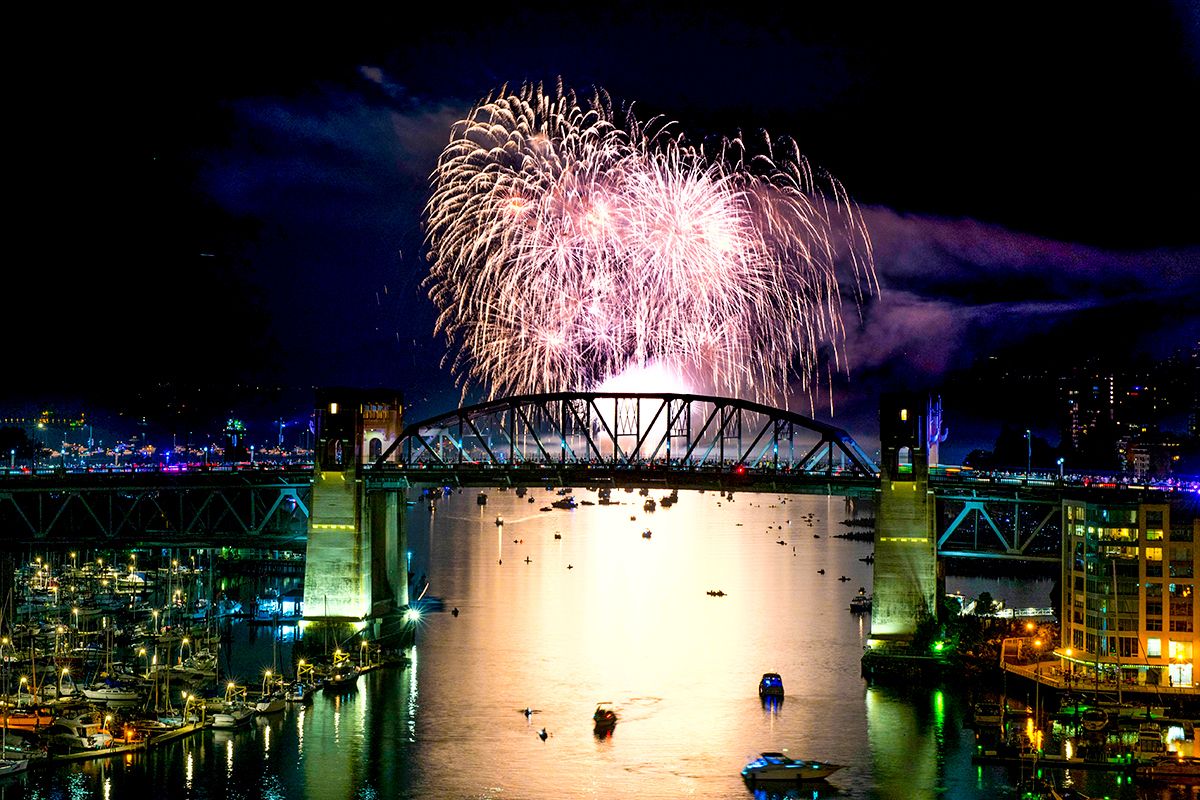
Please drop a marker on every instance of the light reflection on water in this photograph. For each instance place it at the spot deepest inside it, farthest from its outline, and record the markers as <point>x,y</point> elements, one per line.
<point>629,622</point>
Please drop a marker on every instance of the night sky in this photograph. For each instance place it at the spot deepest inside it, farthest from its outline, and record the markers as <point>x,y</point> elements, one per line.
<point>219,201</point>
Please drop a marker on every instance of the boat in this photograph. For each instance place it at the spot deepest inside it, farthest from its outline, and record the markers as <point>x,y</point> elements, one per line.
<point>1170,768</point>
<point>12,766</point>
<point>481,499</point>
<point>499,520</point>
<point>605,718</point>
<point>301,690</point>
<point>236,711</point>
<point>270,704</point>
<point>779,767</point>
<point>771,685</point>
<point>1150,740</point>
<point>272,698</point>
<point>29,718</point>
<point>649,505</point>
<point>988,714</point>
<point>82,732</point>
<point>1094,719</point>
<point>342,678</point>
<point>108,692</point>
<point>646,534</point>
<point>234,714</point>
<point>861,602</point>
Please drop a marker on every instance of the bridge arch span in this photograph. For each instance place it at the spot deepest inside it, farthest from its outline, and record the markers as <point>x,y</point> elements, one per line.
<point>630,430</point>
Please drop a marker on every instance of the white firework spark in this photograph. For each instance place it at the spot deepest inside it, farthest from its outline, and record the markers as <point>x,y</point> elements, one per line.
<point>568,248</point>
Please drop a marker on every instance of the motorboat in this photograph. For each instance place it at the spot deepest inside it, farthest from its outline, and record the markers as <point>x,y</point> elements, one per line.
<point>988,714</point>
<point>300,693</point>
<point>343,678</point>
<point>12,766</point>
<point>481,499</point>
<point>605,717</point>
<point>646,534</point>
<point>1171,767</point>
<point>499,521</point>
<point>1094,720</point>
<point>861,602</point>
<point>29,718</point>
<point>1150,740</point>
<point>82,732</point>
<point>771,685</point>
<point>779,767</point>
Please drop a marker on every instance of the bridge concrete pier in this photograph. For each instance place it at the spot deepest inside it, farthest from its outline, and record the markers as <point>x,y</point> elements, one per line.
<point>907,576</point>
<point>353,567</point>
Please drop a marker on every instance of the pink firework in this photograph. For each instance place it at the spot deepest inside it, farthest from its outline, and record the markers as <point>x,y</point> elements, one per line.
<point>568,249</point>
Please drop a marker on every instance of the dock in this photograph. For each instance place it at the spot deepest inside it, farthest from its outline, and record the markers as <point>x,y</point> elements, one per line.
<point>183,731</point>
<point>1055,762</point>
<point>178,733</point>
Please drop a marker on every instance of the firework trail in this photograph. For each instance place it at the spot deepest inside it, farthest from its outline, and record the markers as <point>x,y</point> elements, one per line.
<point>570,244</point>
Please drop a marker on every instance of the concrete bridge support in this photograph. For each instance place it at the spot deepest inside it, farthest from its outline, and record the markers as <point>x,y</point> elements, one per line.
<point>353,569</point>
<point>907,577</point>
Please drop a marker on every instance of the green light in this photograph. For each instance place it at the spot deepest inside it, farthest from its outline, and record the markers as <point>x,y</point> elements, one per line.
<point>937,646</point>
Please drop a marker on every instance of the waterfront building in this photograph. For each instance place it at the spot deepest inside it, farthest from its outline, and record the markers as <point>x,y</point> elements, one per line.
<point>1129,573</point>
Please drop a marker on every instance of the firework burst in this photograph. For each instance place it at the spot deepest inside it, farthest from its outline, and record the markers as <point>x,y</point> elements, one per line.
<point>570,244</point>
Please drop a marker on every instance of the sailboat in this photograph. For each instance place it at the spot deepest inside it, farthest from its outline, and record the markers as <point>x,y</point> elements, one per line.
<point>8,766</point>
<point>271,700</point>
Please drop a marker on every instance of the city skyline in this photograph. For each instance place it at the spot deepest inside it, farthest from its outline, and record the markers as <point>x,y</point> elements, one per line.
<point>253,213</point>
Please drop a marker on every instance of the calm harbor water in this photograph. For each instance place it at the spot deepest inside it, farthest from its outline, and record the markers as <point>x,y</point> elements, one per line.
<point>600,614</point>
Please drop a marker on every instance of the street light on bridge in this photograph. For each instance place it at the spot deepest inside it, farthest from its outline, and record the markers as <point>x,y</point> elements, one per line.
<point>1028,453</point>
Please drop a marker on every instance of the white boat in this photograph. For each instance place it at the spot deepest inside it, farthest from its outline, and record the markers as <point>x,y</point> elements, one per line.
<point>84,732</point>
<point>11,766</point>
<point>233,715</point>
<point>1172,767</point>
<point>270,704</point>
<point>105,693</point>
<point>1150,740</point>
<point>779,767</point>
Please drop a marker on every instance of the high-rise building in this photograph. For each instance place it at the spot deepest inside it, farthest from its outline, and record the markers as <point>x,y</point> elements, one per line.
<point>1128,592</point>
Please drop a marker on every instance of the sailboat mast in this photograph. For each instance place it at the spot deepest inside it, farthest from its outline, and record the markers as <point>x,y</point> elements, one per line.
<point>1117,610</point>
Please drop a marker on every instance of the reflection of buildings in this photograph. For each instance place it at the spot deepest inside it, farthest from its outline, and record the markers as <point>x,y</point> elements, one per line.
<point>1129,580</point>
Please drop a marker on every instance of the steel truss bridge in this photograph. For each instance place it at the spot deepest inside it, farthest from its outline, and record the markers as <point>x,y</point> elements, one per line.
<point>203,506</point>
<point>598,438</point>
<point>586,440</point>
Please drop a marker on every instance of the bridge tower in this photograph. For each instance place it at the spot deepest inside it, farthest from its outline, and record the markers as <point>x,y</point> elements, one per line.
<point>907,577</point>
<point>354,569</point>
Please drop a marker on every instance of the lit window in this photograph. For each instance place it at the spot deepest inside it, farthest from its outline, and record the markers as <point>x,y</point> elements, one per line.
<point>1154,648</point>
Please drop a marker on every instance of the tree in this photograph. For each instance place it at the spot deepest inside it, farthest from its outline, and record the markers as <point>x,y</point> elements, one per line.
<point>985,605</point>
